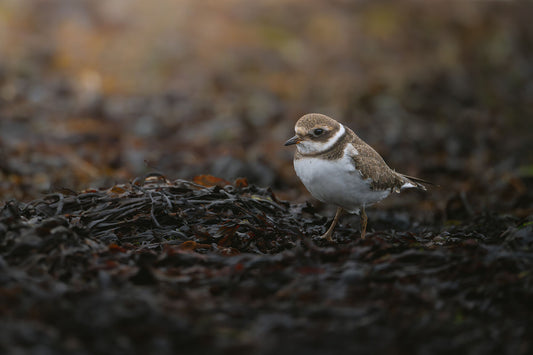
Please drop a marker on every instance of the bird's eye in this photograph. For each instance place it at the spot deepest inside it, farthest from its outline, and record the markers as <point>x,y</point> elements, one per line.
<point>318,131</point>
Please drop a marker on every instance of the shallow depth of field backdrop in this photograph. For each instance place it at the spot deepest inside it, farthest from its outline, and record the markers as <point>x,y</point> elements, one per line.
<point>97,93</point>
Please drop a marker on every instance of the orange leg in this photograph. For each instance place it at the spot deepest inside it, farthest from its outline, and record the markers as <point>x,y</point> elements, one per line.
<point>329,232</point>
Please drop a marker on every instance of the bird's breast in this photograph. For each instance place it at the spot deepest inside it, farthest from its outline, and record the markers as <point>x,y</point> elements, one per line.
<point>336,182</point>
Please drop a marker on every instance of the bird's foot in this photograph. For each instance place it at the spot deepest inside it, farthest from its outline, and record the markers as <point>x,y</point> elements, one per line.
<point>327,236</point>
<point>329,232</point>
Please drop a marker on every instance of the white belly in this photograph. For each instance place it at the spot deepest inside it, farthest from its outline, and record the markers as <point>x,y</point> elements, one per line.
<point>337,182</point>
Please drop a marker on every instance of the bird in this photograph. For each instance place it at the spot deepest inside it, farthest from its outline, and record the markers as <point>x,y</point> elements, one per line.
<point>339,168</point>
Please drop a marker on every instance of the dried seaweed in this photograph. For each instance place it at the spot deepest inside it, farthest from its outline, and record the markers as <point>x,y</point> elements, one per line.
<point>179,267</point>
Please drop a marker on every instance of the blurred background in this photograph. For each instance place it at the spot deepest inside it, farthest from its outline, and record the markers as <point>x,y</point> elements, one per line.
<point>97,92</point>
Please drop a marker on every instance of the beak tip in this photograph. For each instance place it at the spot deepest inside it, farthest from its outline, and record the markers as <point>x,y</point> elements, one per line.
<point>293,140</point>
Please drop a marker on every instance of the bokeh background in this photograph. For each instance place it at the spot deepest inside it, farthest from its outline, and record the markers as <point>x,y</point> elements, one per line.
<point>94,93</point>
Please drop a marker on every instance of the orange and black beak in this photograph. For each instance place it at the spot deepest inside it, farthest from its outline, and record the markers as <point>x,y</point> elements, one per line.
<point>293,140</point>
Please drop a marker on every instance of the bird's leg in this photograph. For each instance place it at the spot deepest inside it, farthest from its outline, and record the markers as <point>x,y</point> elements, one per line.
<point>364,220</point>
<point>329,232</point>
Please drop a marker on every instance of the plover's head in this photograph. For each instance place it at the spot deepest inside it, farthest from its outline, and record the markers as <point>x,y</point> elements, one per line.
<point>316,133</point>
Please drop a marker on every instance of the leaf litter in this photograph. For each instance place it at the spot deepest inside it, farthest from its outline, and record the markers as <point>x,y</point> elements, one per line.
<point>183,266</point>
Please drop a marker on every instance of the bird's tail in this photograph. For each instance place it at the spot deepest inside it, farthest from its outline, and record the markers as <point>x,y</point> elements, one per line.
<point>414,182</point>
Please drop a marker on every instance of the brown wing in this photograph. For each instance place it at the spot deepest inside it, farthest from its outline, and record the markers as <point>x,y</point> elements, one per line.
<point>371,165</point>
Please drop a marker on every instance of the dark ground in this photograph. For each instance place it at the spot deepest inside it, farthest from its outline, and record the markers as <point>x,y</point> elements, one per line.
<point>95,260</point>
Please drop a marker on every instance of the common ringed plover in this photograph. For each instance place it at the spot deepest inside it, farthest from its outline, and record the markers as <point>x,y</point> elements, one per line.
<point>338,168</point>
